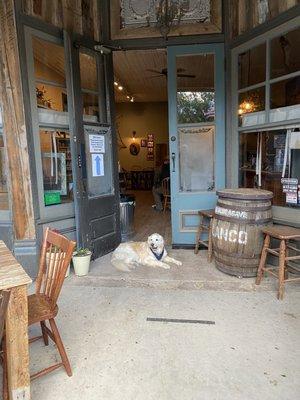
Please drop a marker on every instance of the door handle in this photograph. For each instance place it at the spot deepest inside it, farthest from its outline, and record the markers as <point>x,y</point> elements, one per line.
<point>173,162</point>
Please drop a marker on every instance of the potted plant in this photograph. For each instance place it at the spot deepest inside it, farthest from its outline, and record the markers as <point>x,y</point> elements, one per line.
<point>53,256</point>
<point>81,261</point>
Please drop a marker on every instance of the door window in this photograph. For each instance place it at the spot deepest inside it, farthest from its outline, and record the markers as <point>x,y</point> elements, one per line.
<point>54,164</point>
<point>89,86</point>
<point>195,119</point>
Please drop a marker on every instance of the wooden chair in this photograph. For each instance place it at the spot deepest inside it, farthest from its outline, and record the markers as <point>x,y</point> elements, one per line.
<point>205,225</point>
<point>4,300</point>
<point>42,305</point>
<point>284,234</point>
<point>165,184</point>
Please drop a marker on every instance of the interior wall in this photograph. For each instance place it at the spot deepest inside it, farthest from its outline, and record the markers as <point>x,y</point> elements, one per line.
<point>144,118</point>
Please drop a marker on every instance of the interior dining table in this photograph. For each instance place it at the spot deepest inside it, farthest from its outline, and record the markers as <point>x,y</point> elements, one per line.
<point>14,278</point>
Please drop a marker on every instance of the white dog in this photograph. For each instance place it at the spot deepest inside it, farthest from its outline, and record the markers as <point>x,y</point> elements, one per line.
<point>151,253</point>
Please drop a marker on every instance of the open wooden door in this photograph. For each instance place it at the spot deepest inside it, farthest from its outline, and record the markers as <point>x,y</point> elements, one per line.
<point>94,147</point>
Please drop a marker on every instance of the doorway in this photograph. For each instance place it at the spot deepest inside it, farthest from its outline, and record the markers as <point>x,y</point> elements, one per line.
<point>185,87</point>
<point>140,80</point>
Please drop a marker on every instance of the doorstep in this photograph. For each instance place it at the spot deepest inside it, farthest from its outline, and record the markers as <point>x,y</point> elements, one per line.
<point>195,274</point>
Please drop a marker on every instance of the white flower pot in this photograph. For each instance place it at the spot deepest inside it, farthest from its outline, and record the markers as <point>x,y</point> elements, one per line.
<point>50,256</point>
<point>81,264</point>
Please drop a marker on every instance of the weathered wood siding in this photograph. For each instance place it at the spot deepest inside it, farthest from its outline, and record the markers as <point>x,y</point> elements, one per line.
<point>78,16</point>
<point>11,98</point>
<point>247,14</point>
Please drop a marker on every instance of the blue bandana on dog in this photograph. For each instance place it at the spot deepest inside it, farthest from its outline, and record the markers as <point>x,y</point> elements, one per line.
<point>158,256</point>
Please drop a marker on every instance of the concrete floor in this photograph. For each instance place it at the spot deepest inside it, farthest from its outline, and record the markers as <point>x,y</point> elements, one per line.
<point>252,351</point>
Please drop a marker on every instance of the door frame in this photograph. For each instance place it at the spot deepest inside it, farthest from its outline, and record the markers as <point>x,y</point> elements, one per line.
<point>182,237</point>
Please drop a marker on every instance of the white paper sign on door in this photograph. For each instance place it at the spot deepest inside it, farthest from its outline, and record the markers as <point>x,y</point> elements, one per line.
<point>97,143</point>
<point>97,164</point>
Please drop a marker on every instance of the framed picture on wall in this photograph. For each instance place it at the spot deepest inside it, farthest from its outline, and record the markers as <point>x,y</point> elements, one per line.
<point>144,142</point>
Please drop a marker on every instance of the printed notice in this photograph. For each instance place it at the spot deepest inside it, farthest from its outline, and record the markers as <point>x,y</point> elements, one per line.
<point>97,143</point>
<point>97,164</point>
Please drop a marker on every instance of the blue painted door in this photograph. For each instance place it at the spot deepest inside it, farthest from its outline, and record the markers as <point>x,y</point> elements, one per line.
<point>196,95</point>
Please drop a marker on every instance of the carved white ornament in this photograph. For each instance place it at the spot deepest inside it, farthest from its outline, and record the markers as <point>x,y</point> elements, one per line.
<point>140,13</point>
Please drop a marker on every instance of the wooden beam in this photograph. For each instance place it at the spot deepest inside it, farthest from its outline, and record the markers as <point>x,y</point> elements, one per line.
<point>15,134</point>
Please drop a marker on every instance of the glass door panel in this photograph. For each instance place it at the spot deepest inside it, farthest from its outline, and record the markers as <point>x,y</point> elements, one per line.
<point>197,137</point>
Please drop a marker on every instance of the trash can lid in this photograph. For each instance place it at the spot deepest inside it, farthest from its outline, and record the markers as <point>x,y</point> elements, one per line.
<point>124,198</point>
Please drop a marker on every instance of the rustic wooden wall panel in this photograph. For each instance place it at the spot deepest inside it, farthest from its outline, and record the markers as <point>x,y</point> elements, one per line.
<point>14,125</point>
<point>78,16</point>
<point>244,14</point>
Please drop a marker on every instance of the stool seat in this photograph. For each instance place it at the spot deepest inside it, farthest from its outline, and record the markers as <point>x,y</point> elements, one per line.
<point>207,213</point>
<point>282,232</point>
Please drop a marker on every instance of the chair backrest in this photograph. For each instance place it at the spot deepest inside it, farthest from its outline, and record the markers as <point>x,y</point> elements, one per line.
<point>165,184</point>
<point>4,300</point>
<point>56,254</point>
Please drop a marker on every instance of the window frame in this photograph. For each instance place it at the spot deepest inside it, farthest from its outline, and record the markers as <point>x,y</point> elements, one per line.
<point>280,214</point>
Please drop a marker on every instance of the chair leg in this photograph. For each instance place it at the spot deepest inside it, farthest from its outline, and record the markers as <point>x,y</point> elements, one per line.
<point>263,258</point>
<point>60,347</point>
<point>281,269</point>
<point>209,253</point>
<point>44,333</point>
<point>165,203</point>
<point>198,235</point>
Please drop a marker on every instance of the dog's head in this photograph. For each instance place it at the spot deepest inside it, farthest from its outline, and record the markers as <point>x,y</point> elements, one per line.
<point>156,243</point>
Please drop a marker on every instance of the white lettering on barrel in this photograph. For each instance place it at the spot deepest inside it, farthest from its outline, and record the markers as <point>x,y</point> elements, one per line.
<point>230,235</point>
<point>231,213</point>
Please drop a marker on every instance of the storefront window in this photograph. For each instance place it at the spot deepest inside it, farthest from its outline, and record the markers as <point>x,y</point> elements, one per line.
<point>56,165</point>
<point>271,160</point>
<point>251,102</point>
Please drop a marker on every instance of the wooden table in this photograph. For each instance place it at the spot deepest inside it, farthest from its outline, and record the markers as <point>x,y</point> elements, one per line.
<point>13,276</point>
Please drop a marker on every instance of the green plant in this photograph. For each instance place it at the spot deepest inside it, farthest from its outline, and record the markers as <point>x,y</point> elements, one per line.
<point>81,252</point>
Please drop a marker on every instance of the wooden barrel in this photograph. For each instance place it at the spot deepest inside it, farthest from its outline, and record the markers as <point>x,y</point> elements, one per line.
<point>236,229</point>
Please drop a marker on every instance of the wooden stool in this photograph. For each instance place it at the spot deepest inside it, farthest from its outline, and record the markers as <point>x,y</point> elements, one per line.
<point>205,224</point>
<point>284,234</point>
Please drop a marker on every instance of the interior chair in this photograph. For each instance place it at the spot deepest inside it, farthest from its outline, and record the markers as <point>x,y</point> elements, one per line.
<point>165,184</point>
<point>56,254</point>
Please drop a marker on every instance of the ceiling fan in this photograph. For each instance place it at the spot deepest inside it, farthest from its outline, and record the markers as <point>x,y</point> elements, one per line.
<point>164,72</point>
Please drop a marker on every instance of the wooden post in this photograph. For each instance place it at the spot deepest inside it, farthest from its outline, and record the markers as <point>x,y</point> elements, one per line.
<point>15,134</point>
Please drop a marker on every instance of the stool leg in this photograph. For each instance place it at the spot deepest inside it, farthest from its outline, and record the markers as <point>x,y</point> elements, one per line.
<point>263,258</point>
<point>209,253</point>
<point>281,269</point>
<point>198,234</point>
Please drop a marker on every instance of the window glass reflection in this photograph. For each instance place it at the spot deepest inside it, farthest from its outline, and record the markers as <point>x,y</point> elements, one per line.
<point>195,90</point>
<point>252,66</point>
<point>285,93</point>
<point>285,55</point>
<point>57,167</point>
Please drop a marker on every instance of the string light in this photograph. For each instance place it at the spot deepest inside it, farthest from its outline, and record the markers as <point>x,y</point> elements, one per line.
<point>122,88</point>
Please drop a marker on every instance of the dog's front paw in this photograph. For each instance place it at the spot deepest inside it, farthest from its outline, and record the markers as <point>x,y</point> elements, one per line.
<point>179,263</point>
<point>165,266</point>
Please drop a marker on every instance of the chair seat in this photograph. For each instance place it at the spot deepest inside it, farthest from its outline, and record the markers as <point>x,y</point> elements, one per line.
<point>282,232</point>
<point>40,308</point>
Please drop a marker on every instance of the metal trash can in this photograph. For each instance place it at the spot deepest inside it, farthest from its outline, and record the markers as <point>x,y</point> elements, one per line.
<point>127,206</point>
